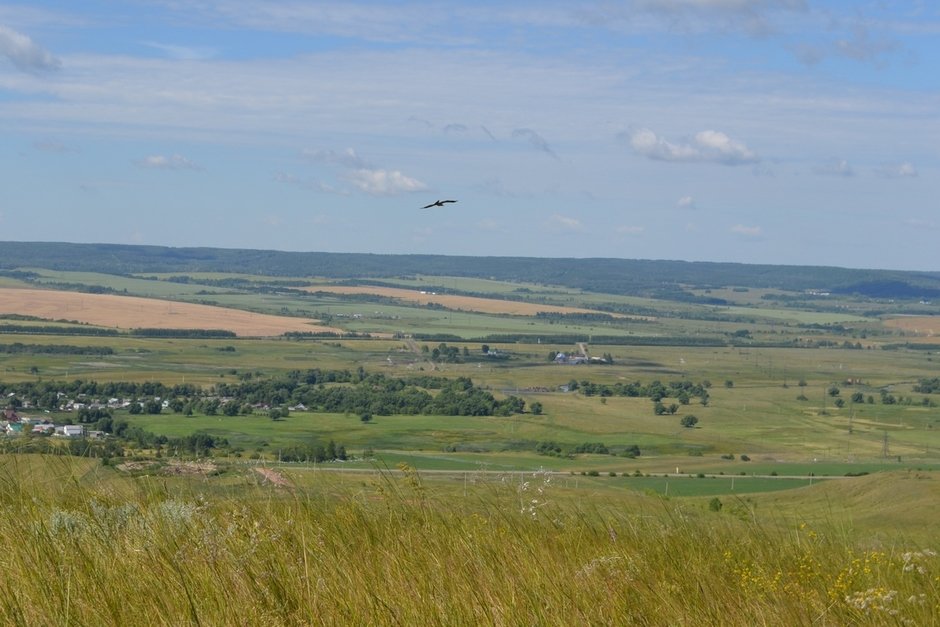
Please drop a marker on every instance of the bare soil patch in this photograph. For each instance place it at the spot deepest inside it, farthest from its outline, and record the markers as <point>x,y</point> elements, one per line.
<point>273,477</point>
<point>129,312</point>
<point>453,301</point>
<point>189,468</point>
<point>922,326</point>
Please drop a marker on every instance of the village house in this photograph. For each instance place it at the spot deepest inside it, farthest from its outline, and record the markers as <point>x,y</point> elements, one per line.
<point>70,431</point>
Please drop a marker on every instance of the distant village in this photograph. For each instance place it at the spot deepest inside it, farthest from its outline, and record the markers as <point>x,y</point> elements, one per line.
<point>14,424</point>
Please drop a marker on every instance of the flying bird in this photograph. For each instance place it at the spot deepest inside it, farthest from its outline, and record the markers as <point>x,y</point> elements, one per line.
<point>438,203</point>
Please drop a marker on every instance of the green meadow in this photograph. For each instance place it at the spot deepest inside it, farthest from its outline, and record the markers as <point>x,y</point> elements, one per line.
<point>804,494</point>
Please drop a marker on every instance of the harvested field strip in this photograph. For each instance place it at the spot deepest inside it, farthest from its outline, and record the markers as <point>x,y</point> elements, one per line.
<point>926,326</point>
<point>456,302</point>
<point>131,312</point>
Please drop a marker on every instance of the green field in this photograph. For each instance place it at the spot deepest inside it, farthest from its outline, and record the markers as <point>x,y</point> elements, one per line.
<point>769,403</point>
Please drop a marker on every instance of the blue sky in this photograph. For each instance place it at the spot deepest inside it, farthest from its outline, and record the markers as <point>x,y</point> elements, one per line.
<point>756,131</point>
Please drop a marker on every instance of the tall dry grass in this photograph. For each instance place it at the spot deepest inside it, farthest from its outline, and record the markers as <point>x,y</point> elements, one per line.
<point>396,552</point>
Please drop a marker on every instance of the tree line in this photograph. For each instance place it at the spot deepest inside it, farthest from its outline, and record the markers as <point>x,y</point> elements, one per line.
<point>334,391</point>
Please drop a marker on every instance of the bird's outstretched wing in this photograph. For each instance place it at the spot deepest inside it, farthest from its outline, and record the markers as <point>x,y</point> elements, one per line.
<point>437,203</point>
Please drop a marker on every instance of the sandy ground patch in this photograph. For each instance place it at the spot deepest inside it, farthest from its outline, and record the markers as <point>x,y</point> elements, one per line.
<point>452,301</point>
<point>923,326</point>
<point>129,312</point>
<point>273,477</point>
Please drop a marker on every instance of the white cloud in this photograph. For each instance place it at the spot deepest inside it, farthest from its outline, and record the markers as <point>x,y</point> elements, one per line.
<point>384,182</point>
<point>747,231</point>
<point>836,167</point>
<point>362,175</point>
<point>173,162</point>
<point>24,53</point>
<point>686,202</point>
<point>705,146</point>
<point>897,170</point>
<point>566,223</point>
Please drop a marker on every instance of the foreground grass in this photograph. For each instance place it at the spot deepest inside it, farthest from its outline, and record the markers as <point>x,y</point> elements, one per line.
<point>84,547</point>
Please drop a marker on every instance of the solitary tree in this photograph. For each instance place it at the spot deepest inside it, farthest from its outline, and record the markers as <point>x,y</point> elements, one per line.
<point>688,421</point>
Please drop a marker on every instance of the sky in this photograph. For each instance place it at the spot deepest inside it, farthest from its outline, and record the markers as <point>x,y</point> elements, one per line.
<point>801,132</point>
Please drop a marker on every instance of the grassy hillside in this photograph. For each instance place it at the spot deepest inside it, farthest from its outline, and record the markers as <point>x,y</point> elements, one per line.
<point>226,550</point>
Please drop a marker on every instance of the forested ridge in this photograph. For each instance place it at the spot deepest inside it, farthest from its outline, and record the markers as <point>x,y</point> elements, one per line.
<point>659,278</point>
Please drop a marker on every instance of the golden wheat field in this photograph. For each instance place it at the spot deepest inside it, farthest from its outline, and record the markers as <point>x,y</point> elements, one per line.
<point>127,312</point>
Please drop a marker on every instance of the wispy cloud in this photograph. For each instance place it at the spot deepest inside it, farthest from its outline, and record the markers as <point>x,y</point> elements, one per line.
<point>704,147</point>
<point>184,53</point>
<point>535,140</point>
<point>24,53</point>
<point>384,182</point>
<point>756,18</point>
<point>566,223</point>
<point>631,230</point>
<point>905,169</point>
<point>308,183</point>
<point>686,202</point>
<point>163,162</point>
<point>346,158</point>
<point>747,231</point>
<point>836,167</point>
<point>52,146</point>
<point>918,223</point>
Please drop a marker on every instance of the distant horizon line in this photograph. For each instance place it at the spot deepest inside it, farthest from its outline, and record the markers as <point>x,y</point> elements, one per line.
<point>468,256</point>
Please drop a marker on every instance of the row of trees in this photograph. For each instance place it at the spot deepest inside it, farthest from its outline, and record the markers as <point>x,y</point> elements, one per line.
<point>656,390</point>
<point>554,449</point>
<point>54,349</point>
